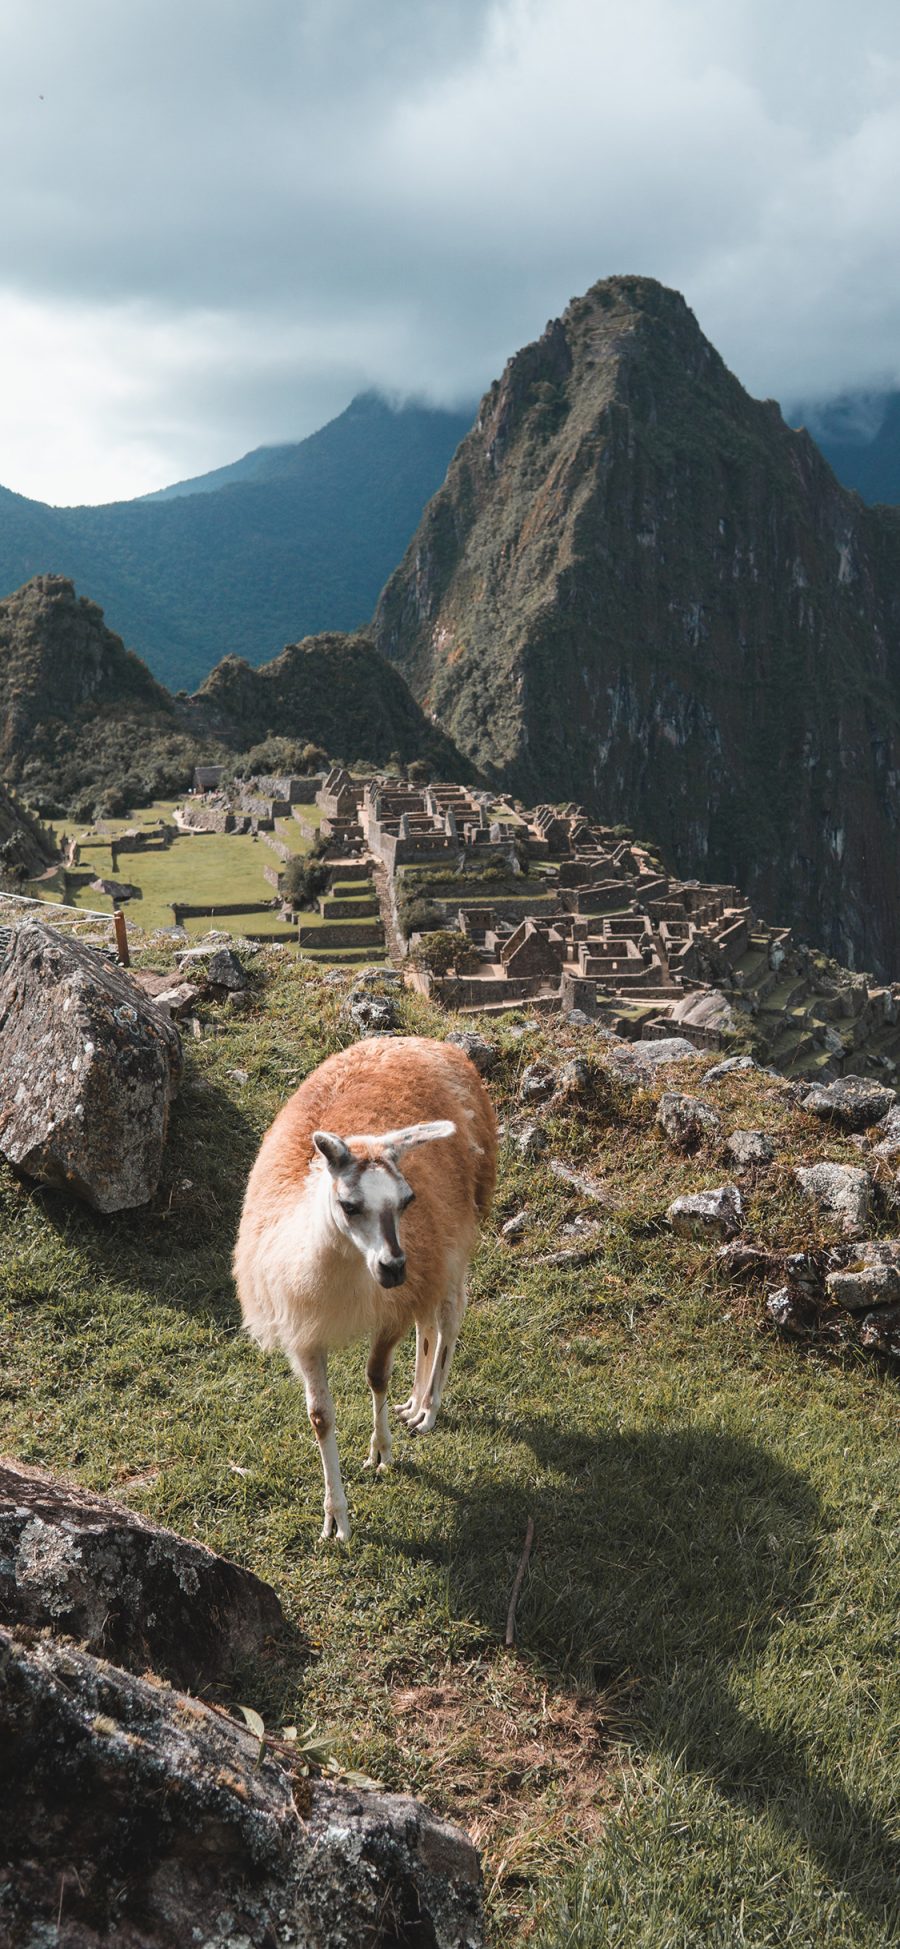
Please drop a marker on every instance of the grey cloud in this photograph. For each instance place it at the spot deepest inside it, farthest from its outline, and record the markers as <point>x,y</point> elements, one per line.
<point>340,194</point>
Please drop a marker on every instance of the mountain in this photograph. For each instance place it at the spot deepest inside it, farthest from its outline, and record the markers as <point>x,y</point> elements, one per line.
<point>81,716</point>
<point>859,434</point>
<point>331,689</point>
<point>83,721</point>
<point>639,588</point>
<point>288,541</point>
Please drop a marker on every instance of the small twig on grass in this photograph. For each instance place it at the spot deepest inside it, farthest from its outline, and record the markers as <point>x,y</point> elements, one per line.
<point>523,1563</point>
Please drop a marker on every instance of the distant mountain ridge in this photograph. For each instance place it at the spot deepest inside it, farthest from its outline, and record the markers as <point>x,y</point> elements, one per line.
<point>288,541</point>
<point>859,434</point>
<point>639,588</point>
<point>82,720</point>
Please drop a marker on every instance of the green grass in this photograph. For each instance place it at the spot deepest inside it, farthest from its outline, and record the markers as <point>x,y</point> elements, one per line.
<point>197,868</point>
<point>695,1740</point>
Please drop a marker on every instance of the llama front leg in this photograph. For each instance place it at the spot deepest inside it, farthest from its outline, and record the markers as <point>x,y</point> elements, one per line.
<point>378,1374</point>
<point>426,1335</point>
<point>313,1371</point>
<point>450,1319</point>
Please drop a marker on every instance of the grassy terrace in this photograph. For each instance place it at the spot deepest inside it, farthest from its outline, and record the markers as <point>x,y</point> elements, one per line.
<point>695,1740</point>
<point>196,867</point>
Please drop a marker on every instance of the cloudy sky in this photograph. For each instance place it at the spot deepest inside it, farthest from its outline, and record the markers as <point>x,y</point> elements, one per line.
<point>221,218</point>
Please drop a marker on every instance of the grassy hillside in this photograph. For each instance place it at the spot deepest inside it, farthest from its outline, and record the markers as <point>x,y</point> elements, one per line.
<point>695,1738</point>
<point>292,540</point>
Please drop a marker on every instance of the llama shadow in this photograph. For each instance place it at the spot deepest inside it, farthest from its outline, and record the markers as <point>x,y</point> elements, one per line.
<point>664,1564</point>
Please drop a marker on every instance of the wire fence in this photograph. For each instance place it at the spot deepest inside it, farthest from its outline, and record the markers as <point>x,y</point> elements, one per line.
<point>60,906</point>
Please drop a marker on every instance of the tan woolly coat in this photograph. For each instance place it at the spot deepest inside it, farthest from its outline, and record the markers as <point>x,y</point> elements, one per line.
<point>301,1285</point>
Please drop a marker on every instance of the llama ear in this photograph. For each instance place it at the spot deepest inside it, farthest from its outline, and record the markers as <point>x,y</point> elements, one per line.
<point>398,1141</point>
<point>333,1149</point>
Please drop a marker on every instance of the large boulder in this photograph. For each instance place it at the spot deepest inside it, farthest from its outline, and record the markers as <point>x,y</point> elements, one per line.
<point>88,1070</point>
<point>133,1815</point>
<point>125,1587</point>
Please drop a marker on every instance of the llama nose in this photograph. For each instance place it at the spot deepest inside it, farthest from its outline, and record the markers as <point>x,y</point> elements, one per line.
<point>392,1272</point>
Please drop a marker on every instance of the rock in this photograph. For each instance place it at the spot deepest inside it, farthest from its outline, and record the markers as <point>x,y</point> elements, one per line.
<point>483,1054</point>
<point>637,1062</point>
<point>750,1147</point>
<point>686,1121</point>
<point>707,1214</point>
<point>592,1188</point>
<point>225,970</point>
<point>88,1070</point>
<point>706,1008</point>
<point>372,1014</point>
<point>851,1101</point>
<point>873,1279</point>
<point>515,1227</point>
<point>791,1312</point>
<point>576,1018</point>
<point>537,1083</point>
<point>134,1814</point>
<point>739,1257</point>
<point>179,1000</point>
<point>574,1079</point>
<point>365,978</point>
<point>806,1272</point>
<point>841,1191</point>
<point>732,1065</point>
<point>880,1332</point>
<point>530,1141</point>
<point>129,1589</point>
<point>889,1127</point>
<point>116,889</point>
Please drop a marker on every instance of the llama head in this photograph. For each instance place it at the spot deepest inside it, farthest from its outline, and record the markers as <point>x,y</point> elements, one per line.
<point>369,1192</point>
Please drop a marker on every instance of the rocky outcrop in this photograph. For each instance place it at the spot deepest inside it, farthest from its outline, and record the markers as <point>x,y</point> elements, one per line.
<point>135,1816</point>
<point>334,689</point>
<point>88,1070</point>
<point>638,588</point>
<point>128,1589</point>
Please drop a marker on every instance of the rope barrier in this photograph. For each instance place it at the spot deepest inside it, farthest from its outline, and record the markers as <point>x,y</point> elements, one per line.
<point>29,900</point>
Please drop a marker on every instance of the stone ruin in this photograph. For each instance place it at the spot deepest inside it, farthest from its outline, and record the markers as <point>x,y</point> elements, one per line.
<point>646,953</point>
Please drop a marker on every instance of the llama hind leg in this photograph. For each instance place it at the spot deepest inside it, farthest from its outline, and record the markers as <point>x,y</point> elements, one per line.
<point>426,1335</point>
<point>313,1371</point>
<point>378,1374</point>
<point>450,1319</point>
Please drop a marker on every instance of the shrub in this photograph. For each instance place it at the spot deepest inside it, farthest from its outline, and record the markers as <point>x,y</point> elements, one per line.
<point>419,916</point>
<point>446,949</point>
<point>303,879</point>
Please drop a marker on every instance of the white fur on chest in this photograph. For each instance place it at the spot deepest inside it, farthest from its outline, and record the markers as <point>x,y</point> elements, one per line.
<point>315,1284</point>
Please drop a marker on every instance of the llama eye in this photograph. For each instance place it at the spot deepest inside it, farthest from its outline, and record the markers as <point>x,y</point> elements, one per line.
<point>410,1199</point>
<point>349,1210</point>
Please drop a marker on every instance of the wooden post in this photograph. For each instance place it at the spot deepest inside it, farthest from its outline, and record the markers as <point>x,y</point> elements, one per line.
<point>121,938</point>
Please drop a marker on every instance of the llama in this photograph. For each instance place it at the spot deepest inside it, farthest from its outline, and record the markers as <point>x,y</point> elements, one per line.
<point>319,1260</point>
